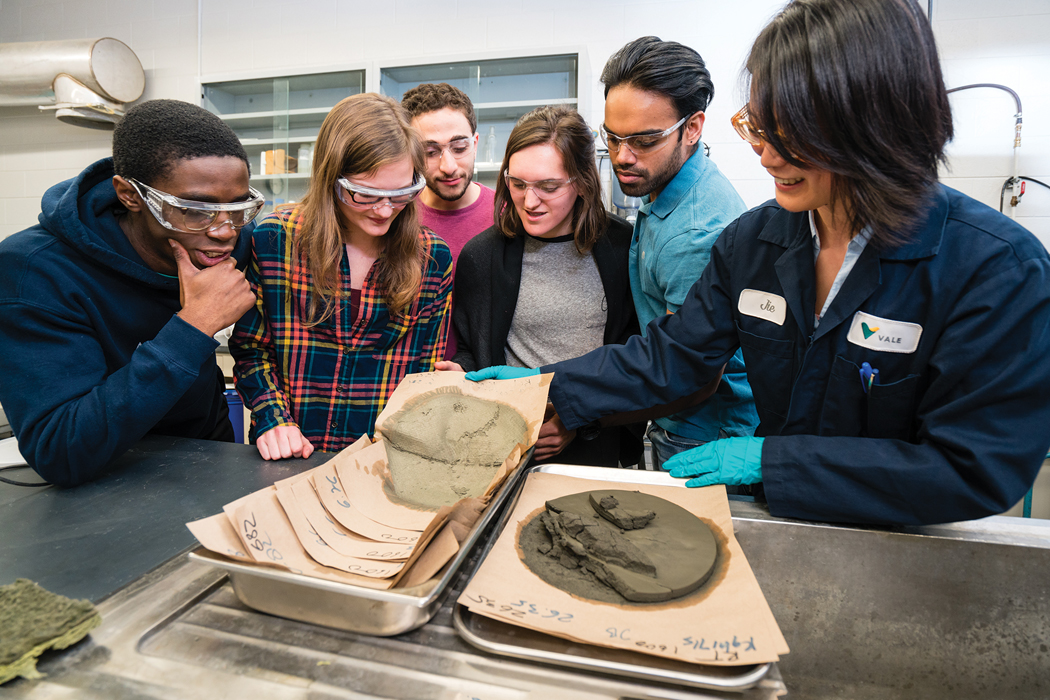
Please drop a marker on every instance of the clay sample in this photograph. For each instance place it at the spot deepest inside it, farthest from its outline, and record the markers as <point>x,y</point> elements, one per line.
<point>609,508</point>
<point>665,551</point>
<point>444,446</point>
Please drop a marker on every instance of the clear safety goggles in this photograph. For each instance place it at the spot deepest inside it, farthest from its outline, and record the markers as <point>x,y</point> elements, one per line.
<point>177,214</point>
<point>544,189</point>
<point>459,148</point>
<point>361,196</point>
<point>640,144</point>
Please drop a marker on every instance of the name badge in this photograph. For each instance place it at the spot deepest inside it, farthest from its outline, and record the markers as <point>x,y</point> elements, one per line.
<point>884,334</point>
<point>763,305</point>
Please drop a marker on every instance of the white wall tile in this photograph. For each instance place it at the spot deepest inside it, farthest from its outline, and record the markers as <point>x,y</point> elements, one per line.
<point>170,87</point>
<point>13,184</point>
<point>174,60</point>
<point>505,9</point>
<point>1040,227</point>
<point>358,18</point>
<point>416,10</point>
<point>174,8</point>
<point>78,157</point>
<point>573,25</point>
<point>21,212</point>
<point>225,56</point>
<point>23,159</point>
<point>166,32</point>
<point>45,16</point>
<point>40,180</point>
<point>531,29</point>
<point>10,22</point>
<point>979,9</point>
<point>443,35</point>
<point>1015,37</point>
<point>131,9</point>
<point>406,42</point>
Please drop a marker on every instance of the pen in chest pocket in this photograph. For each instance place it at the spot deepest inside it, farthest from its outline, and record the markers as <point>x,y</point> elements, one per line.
<point>869,376</point>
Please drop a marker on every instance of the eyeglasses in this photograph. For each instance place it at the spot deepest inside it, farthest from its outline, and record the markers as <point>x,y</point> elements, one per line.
<point>639,144</point>
<point>544,189</point>
<point>362,197</point>
<point>741,121</point>
<point>457,147</point>
<point>177,214</point>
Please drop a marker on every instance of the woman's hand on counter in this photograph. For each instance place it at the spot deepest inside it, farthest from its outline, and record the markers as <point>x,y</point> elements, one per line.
<point>283,442</point>
<point>553,436</point>
<point>447,366</point>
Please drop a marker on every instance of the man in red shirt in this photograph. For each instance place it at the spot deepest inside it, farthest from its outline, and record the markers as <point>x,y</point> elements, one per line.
<point>452,205</point>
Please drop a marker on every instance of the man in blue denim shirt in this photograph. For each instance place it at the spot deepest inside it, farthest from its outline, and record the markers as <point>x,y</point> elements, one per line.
<point>655,96</point>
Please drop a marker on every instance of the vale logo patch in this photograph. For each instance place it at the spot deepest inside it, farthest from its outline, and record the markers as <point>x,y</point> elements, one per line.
<point>884,334</point>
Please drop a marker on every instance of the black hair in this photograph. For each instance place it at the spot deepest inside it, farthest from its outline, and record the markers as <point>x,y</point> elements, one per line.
<point>153,135</point>
<point>430,97</point>
<point>855,88</point>
<point>665,67</point>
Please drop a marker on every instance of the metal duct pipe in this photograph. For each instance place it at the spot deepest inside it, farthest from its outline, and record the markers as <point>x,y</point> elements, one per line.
<point>105,71</point>
<point>105,66</point>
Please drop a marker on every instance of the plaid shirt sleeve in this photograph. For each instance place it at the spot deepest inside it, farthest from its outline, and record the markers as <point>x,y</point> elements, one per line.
<point>332,378</point>
<point>255,368</point>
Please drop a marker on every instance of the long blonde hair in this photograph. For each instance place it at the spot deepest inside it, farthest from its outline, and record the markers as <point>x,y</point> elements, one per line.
<point>361,134</point>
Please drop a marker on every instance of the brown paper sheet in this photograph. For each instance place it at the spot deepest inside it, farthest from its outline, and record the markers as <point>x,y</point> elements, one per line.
<point>362,475</point>
<point>321,552</point>
<point>337,537</point>
<point>332,520</point>
<point>267,535</point>
<point>726,622</point>
<point>438,553</point>
<point>216,534</point>
<point>360,444</point>
<point>333,498</point>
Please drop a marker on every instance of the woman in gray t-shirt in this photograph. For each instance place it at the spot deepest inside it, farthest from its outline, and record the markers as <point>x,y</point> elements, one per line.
<point>549,281</point>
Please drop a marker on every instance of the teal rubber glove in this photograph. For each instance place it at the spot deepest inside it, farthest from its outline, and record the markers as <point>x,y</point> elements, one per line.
<point>734,461</point>
<point>501,372</point>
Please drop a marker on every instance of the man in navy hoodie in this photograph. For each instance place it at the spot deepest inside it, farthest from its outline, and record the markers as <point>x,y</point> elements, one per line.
<point>109,304</point>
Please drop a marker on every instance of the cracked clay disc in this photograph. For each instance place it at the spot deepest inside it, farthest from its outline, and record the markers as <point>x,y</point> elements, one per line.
<point>619,546</point>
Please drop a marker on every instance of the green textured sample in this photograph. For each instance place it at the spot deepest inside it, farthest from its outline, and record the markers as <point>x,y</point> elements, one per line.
<point>443,446</point>
<point>33,620</point>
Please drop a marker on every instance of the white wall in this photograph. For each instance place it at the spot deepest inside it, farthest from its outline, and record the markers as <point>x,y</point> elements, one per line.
<point>1006,43</point>
<point>36,150</point>
<point>980,42</point>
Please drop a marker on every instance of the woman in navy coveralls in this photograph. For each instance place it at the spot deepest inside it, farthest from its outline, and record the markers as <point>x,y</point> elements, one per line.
<point>896,332</point>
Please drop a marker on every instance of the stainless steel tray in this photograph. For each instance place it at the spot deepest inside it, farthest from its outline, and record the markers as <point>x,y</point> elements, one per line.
<point>343,606</point>
<point>518,642</point>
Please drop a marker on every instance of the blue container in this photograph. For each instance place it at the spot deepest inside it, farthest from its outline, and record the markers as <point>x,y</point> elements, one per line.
<point>233,399</point>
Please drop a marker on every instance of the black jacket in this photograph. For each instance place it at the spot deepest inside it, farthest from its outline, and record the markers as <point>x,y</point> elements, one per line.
<point>488,275</point>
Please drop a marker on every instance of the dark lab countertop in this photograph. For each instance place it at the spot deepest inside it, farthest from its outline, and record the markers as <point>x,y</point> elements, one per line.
<point>91,540</point>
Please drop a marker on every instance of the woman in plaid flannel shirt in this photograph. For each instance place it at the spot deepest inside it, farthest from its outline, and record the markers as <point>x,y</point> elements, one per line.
<point>351,292</point>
